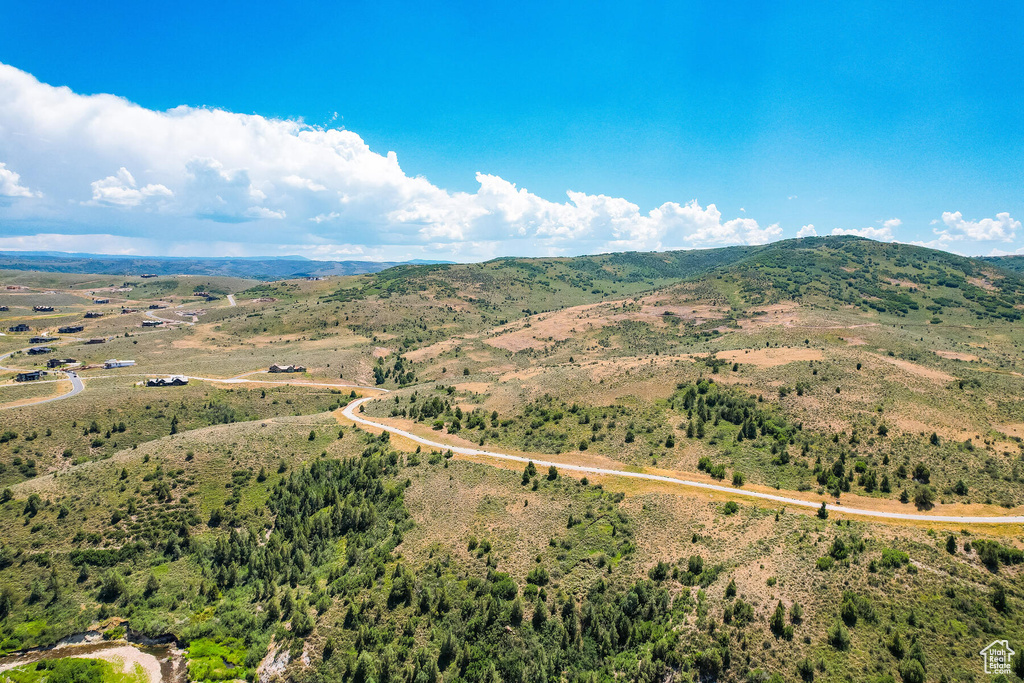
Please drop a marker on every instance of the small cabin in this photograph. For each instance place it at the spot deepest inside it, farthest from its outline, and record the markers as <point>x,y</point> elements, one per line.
<point>70,329</point>
<point>152,323</point>
<point>39,350</point>
<point>58,362</point>
<point>101,301</point>
<point>43,309</point>
<point>29,376</point>
<point>97,340</point>
<point>20,327</point>
<point>42,340</point>
<point>114,363</point>
<point>93,314</point>
<point>4,308</point>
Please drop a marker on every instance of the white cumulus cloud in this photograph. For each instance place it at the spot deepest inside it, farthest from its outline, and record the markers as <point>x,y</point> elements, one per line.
<point>1002,228</point>
<point>266,181</point>
<point>807,231</point>
<point>882,234</point>
<point>10,184</point>
<point>121,190</point>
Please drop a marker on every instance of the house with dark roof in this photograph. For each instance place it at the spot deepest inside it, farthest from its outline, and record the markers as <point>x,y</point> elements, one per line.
<point>287,368</point>
<point>172,381</point>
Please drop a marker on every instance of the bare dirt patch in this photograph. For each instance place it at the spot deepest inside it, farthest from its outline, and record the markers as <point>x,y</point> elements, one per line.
<point>432,351</point>
<point>915,369</point>
<point>984,283</point>
<point>521,374</point>
<point>784,314</point>
<point>1012,429</point>
<point>931,423</point>
<point>474,387</point>
<point>537,331</point>
<point>771,357</point>
<point>954,355</point>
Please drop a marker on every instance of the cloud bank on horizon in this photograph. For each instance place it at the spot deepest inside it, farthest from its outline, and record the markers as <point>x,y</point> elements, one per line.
<point>98,173</point>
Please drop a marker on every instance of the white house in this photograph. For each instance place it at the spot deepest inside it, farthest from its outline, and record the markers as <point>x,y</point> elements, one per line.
<point>114,363</point>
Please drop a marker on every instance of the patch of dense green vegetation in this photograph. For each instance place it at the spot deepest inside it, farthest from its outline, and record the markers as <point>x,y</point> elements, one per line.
<point>72,670</point>
<point>545,425</point>
<point>334,526</point>
<point>216,660</point>
<point>889,278</point>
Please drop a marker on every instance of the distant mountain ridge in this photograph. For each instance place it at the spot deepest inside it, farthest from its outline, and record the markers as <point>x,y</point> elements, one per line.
<point>1014,263</point>
<point>256,268</point>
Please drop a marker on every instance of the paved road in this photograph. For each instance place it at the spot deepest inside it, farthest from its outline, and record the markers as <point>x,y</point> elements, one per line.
<point>231,299</point>
<point>350,411</point>
<point>76,388</point>
<point>77,385</point>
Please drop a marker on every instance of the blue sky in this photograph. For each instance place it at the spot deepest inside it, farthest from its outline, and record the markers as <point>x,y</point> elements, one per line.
<point>895,122</point>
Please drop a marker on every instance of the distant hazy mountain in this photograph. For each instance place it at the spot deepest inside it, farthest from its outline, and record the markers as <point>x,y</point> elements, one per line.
<point>258,268</point>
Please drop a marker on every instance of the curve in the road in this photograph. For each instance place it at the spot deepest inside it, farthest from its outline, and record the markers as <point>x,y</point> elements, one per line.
<point>76,388</point>
<point>350,412</point>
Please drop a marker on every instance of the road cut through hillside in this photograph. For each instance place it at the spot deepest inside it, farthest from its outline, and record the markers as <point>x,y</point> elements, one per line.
<point>351,412</point>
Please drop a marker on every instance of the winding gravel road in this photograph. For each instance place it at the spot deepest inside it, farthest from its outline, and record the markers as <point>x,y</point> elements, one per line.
<point>350,411</point>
